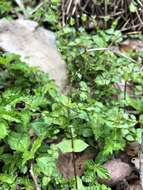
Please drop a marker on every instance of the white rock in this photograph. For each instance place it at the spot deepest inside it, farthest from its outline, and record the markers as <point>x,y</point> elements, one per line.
<point>35,45</point>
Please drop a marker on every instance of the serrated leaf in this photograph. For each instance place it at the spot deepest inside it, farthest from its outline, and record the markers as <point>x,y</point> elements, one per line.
<point>47,165</point>
<point>3,130</point>
<point>10,118</point>
<point>19,141</point>
<point>35,146</point>
<point>102,172</point>
<point>5,178</point>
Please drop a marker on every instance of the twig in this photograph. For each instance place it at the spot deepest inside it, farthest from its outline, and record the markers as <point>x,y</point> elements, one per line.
<point>69,6</point>
<point>75,6</point>
<point>125,24</point>
<point>139,2</point>
<point>36,8</point>
<point>105,7</point>
<point>134,32</point>
<point>34,178</point>
<point>125,94</point>
<point>86,4</point>
<point>125,56</point>
<point>138,15</point>
<point>131,27</point>
<point>97,49</point>
<point>21,6</point>
<point>106,10</point>
<point>113,49</point>
<point>63,13</point>
<point>112,14</point>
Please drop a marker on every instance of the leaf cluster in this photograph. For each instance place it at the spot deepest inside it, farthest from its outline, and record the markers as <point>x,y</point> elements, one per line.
<point>33,113</point>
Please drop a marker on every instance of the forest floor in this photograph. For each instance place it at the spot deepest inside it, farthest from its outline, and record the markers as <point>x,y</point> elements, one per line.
<point>90,136</point>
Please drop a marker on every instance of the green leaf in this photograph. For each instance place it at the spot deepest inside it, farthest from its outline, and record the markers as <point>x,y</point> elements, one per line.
<point>5,178</point>
<point>66,145</point>
<point>3,130</point>
<point>47,165</point>
<point>80,184</point>
<point>5,7</point>
<point>133,7</point>
<point>19,141</point>
<point>130,138</point>
<point>102,172</point>
<point>141,119</point>
<point>138,135</point>
<point>35,146</point>
<point>46,180</point>
<point>9,118</point>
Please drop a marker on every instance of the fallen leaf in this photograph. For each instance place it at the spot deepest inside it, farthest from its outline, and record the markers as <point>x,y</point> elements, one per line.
<point>69,164</point>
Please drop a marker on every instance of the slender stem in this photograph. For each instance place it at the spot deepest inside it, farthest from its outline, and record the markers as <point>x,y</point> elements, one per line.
<point>115,50</point>
<point>74,159</point>
<point>63,13</point>
<point>34,177</point>
<point>73,153</point>
<point>125,94</point>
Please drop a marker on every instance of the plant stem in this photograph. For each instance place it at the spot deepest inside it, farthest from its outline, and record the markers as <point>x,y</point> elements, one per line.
<point>34,177</point>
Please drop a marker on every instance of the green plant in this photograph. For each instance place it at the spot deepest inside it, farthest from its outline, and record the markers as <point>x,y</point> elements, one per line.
<point>5,8</point>
<point>97,112</point>
<point>48,13</point>
<point>32,112</point>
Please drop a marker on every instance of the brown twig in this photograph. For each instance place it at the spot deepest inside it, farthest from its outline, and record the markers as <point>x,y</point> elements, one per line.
<point>76,3</point>
<point>113,49</point>
<point>116,9</point>
<point>138,15</point>
<point>68,7</point>
<point>36,8</point>
<point>35,180</point>
<point>63,13</point>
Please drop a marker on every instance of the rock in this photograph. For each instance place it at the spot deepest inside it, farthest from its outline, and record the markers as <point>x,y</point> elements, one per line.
<point>118,171</point>
<point>35,45</point>
<point>136,162</point>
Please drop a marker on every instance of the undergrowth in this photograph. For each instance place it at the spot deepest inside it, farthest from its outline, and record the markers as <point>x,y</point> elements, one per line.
<point>103,109</point>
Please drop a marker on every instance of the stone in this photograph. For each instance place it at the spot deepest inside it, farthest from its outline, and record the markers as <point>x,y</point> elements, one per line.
<point>35,45</point>
<point>118,171</point>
